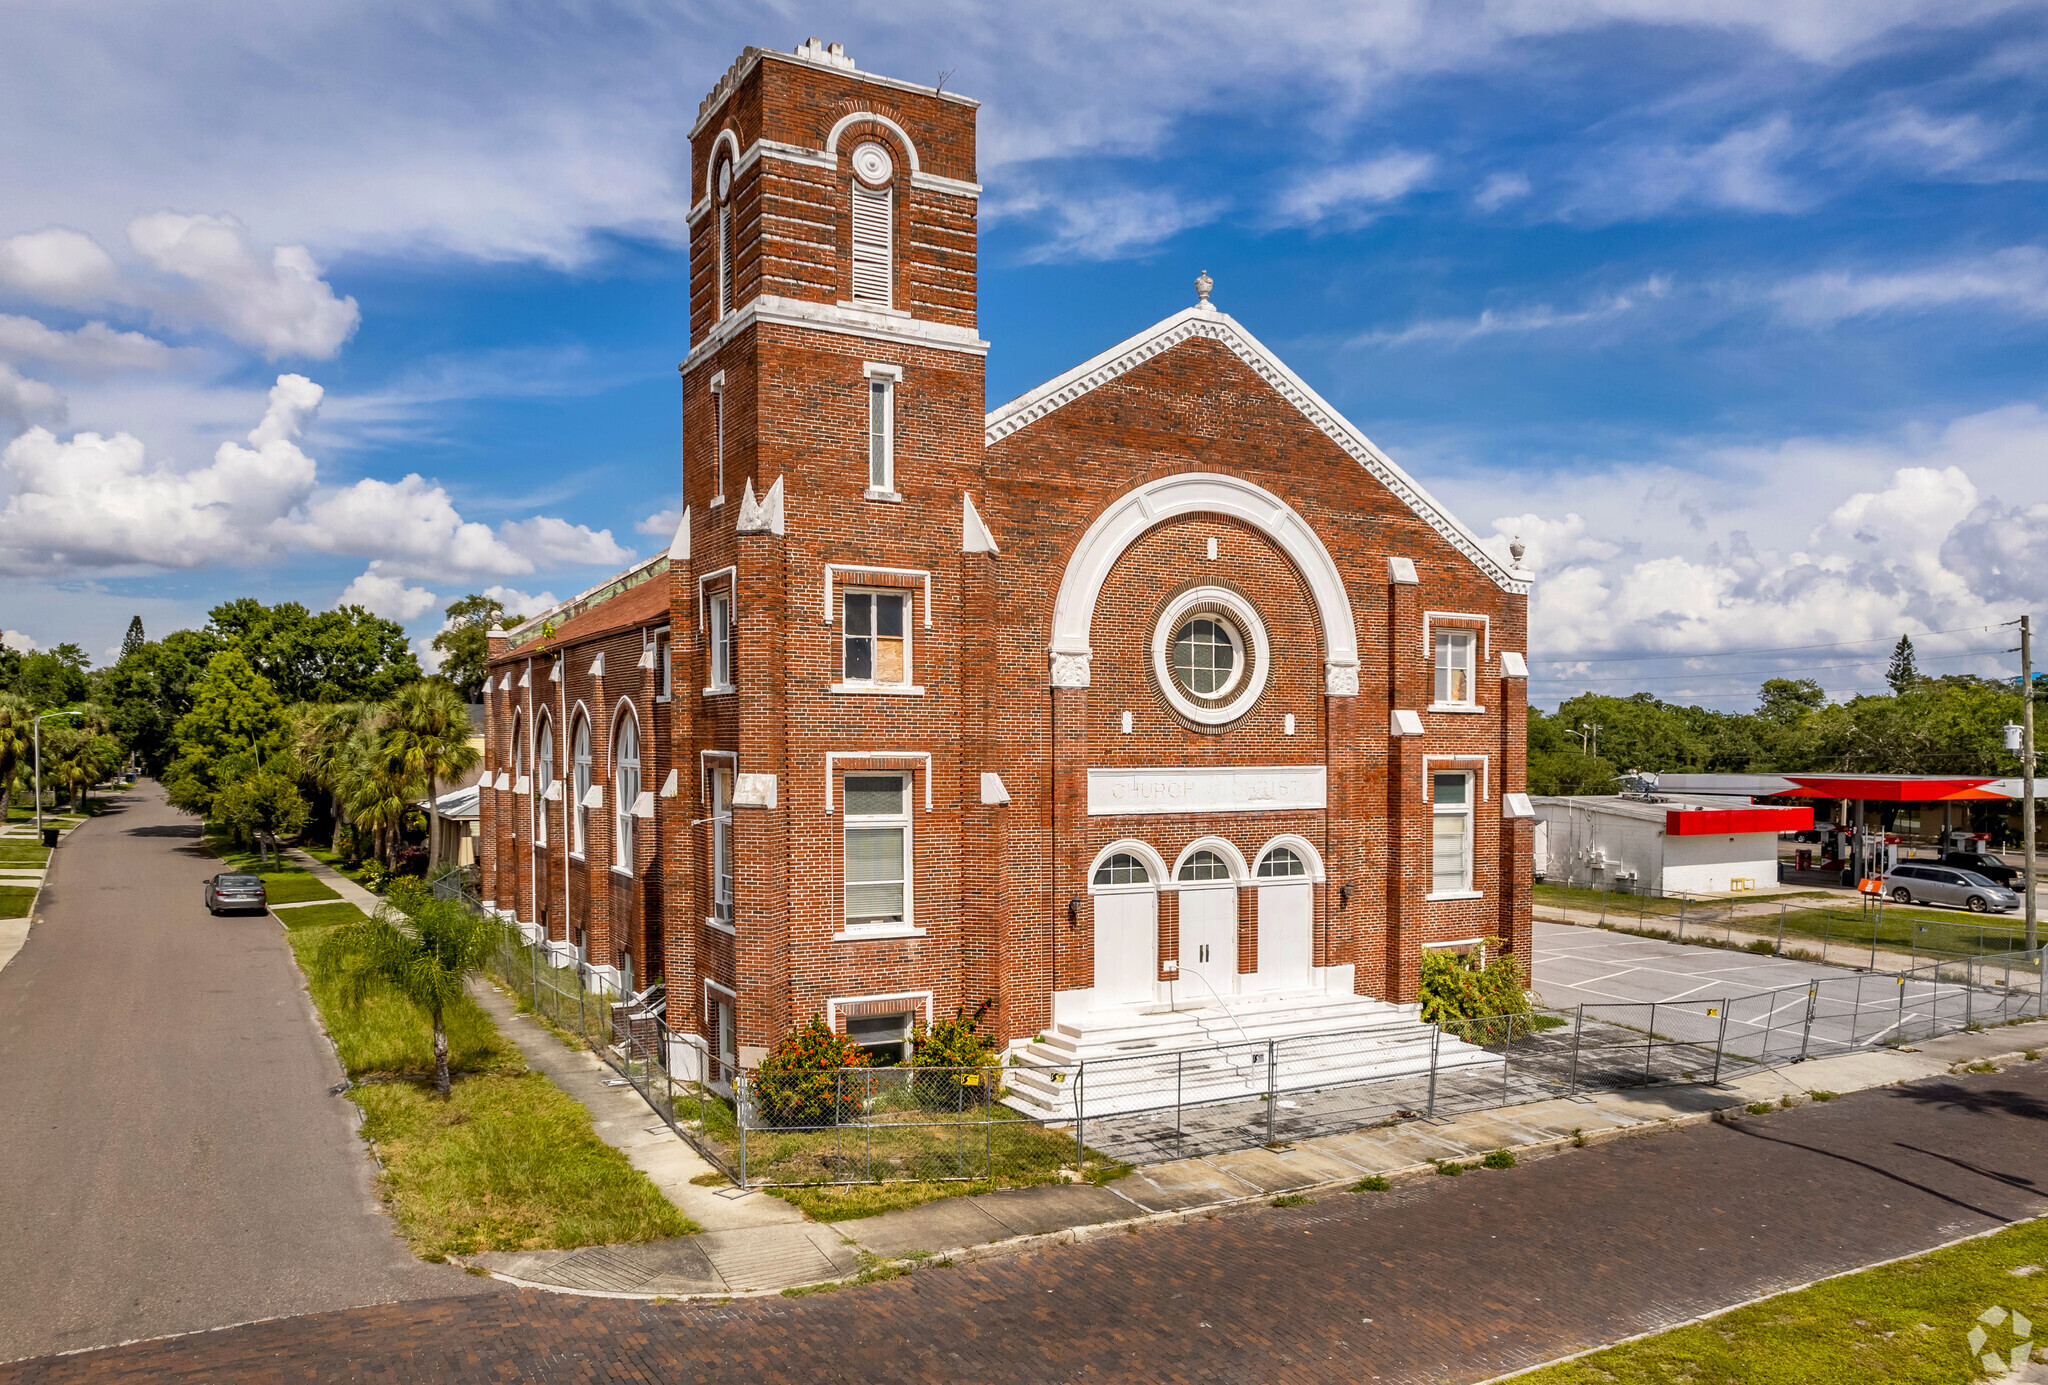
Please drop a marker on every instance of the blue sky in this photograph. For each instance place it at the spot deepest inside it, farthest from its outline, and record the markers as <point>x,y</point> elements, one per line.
<point>1734,312</point>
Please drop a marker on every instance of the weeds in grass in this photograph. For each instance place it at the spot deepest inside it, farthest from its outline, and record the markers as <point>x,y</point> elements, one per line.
<point>1982,1067</point>
<point>1759,1108</point>
<point>714,1179</point>
<point>1785,1102</point>
<point>1499,1159</point>
<point>1371,1184</point>
<point>1578,1137</point>
<point>1293,1200</point>
<point>2032,1055</point>
<point>1823,1096</point>
<point>1448,1168</point>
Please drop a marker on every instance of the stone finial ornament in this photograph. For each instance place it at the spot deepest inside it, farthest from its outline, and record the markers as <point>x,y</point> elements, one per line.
<point>1203,283</point>
<point>1516,548</point>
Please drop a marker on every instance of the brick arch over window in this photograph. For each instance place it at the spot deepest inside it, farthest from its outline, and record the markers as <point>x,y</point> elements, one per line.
<point>1137,511</point>
<point>847,122</point>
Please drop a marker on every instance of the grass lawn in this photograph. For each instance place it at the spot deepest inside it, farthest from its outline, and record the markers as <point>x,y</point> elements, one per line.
<point>15,901</point>
<point>24,854</point>
<point>320,915</point>
<point>508,1162</point>
<point>295,887</point>
<point>1905,1324</point>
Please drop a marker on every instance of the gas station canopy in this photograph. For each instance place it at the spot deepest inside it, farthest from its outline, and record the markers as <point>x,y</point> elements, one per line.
<point>1890,788</point>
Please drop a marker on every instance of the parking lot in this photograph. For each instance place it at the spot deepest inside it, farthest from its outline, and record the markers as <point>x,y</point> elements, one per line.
<point>1575,966</point>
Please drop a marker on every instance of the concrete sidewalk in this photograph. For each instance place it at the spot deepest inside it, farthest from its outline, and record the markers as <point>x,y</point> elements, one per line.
<point>750,1247</point>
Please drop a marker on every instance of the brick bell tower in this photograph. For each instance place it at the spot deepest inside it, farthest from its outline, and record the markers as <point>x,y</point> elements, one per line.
<point>833,409</point>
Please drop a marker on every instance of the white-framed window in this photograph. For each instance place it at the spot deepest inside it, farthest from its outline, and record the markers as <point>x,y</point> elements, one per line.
<point>718,639</point>
<point>875,637</point>
<point>718,438</point>
<point>1204,865</point>
<point>873,232</point>
<point>1451,837</point>
<point>728,1039</point>
<point>664,669</point>
<point>878,893</point>
<point>625,788</point>
<point>1123,869</point>
<point>1281,863</point>
<point>543,779</point>
<point>579,780</point>
<point>885,1038</point>
<point>881,434</point>
<point>721,846</point>
<point>1455,686</point>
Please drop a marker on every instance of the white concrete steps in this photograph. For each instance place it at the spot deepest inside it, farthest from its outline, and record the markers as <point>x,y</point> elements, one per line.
<point>1146,1057</point>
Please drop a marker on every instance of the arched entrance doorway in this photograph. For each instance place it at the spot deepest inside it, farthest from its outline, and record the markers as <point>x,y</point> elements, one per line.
<point>1207,882</point>
<point>1125,888</point>
<point>1287,910</point>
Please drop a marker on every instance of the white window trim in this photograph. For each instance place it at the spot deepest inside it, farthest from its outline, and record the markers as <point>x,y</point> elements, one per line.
<point>730,576</point>
<point>664,669</point>
<point>832,571</point>
<point>712,920</point>
<point>717,388</point>
<point>1474,660</point>
<point>1458,708</point>
<point>889,377</point>
<point>1485,635</point>
<point>908,688</point>
<point>579,851</point>
<point>908,928</point>
<point>924,755</point>
<point>704,770</point>
<point>621,810</point>
<point>728,992</point>
<point>832,1005</point>
<point>1469,810</point>
<point>1452,762</point>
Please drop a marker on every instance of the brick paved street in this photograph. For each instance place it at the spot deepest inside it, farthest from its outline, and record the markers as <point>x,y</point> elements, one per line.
<point>1441,1280</point>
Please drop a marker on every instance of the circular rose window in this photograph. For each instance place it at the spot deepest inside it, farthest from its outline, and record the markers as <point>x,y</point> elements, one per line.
<point>1209,655</point>
<point>873,164</point>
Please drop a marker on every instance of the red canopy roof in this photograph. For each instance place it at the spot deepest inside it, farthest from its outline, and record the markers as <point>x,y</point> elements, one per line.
<point>1708,822</point>
<point>1888,788</point>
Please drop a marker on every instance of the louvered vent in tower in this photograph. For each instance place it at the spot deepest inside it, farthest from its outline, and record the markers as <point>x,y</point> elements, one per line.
<point>725,259</point>
<point>871,235</point>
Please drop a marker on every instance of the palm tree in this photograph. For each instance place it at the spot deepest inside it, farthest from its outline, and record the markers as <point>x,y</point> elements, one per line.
<point>322,733</point>
<point>428,735</point>
<point>427,958</point>
<point>374,791</point>
<point>16,736</point>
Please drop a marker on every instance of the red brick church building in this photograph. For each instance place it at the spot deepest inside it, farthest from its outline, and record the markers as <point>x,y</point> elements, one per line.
<point>1160,688</point>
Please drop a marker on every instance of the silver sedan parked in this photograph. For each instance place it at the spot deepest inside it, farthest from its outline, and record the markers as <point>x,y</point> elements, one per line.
<point>235,892</point>
<point>1916,884</point>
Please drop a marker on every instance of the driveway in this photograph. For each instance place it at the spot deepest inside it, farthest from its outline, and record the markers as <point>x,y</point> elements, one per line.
<point>176,1158</point>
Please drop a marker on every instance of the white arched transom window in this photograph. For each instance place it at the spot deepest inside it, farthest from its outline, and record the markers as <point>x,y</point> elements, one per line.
<point>1280,863</point>
<point>543,778</point>
<point>1204,865</point>
<point>625,788</point>
<point>1123,869</point>
<point>579,817</point>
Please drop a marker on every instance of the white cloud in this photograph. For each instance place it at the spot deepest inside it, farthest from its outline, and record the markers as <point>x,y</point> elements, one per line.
<point>1930,143</point>
<point>1353,193</point>
<point>2015,278</point>
<point>280,305</point>
<point>97,502</point>
<point>1499,189</point>
<point>387,596</point>
<point>57,265</point>
<point>94,349</point>
<point>27,403</point>
<point>1803,542</point>
<point>661,524</point>
<point>521,603</point>
<point>1104,225</point>
<point>1740,170</point>
<point>1536,317</point>
<point>18,642</point>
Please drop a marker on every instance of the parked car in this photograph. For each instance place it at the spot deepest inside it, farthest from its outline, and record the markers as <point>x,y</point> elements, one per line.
<point>1929,884</point>
<point>226,891</point>
<point>1996,869</point>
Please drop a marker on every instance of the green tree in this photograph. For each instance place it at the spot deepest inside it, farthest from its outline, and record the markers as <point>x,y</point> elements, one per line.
<point>150,688</point>
<point>1788,701</point>
<point>325,737</point>
<point>55,678</point>
<point>134,639</point>
<point>16,745</point>
<point>345,655</point>
<point>76,757</point>
<point>427,734</point>
<point>267,800</point>
<point>464,643</point>
<point>1904,671</point>
<point>236,723</point>
<point>428,958</point>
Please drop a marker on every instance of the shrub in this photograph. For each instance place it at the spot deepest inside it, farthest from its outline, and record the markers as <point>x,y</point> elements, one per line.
<point>1499,1159</point>
<point>799,1083</point>
<point>1454,988</point>
<point>1371,1184</point>
<point>955,1044</point>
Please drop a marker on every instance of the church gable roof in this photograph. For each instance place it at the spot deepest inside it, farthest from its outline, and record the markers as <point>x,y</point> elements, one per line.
<point>1206,321</point>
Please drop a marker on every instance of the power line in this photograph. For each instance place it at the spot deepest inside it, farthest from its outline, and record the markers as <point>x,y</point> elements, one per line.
<point>1782,649</point>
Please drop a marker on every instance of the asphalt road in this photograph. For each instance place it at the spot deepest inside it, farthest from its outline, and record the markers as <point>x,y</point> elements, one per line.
<point>174,1158</point>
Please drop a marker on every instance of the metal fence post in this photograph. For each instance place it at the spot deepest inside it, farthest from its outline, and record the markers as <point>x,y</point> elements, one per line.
<point>1650,1044</point>
<point>1720,1042</point>
<point>1179,1063</point>
<point>1969,995</point>
<point>1900,1027</point>
<point>1827,933</point>
<point>1603,905</point>
<point>1507,1060</point>
<point>1875,929</point>
<point>1778,948</point>
<point>1436,1035</point>
<point>739,1111</point>
<point>1272,1091</point>
<point>1681,918</point>
<point>1806,1038</point>
<point>1578,1034</point>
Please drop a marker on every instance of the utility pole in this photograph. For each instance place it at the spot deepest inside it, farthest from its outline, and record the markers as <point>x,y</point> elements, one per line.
<point>1589,737</point>
<point>2027,763</point>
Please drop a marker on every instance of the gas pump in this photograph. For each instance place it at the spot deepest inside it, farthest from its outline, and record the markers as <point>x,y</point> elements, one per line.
<point>1970,843</point>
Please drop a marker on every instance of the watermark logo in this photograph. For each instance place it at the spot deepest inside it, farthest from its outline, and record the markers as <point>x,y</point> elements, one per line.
<point>2002,1341</point>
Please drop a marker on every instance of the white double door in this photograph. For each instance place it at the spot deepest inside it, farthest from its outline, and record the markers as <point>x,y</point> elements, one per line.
<point>1286,936</point>
<point>1208,939</point>
<point>1126,946</point>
